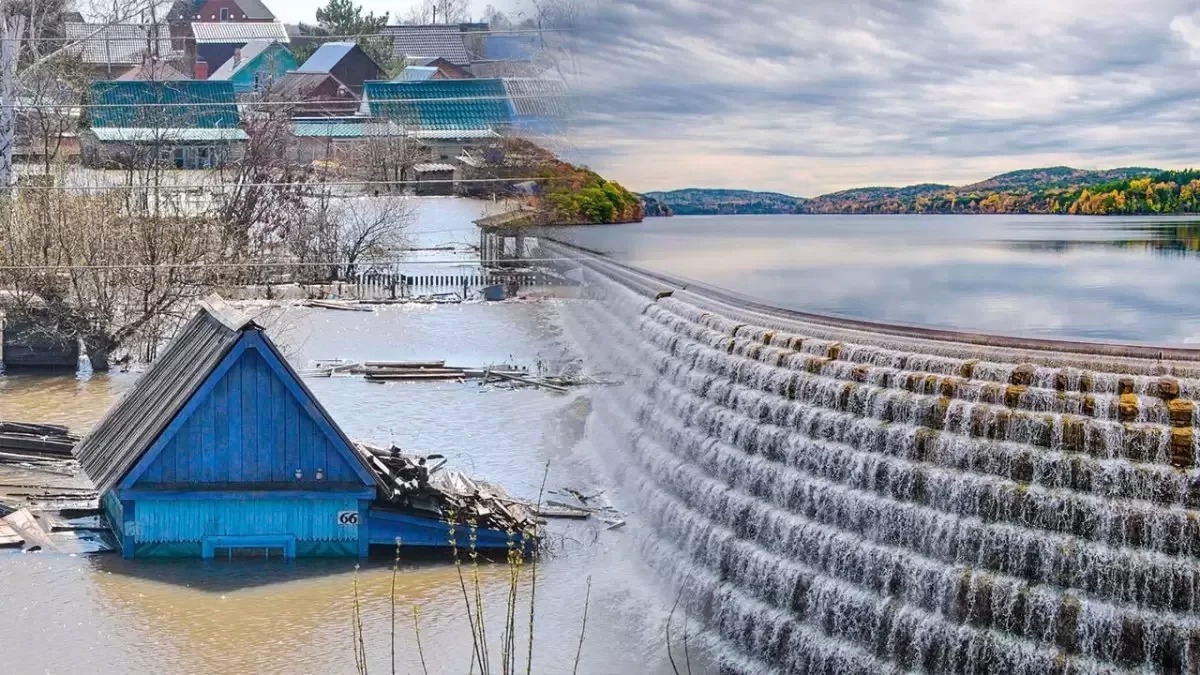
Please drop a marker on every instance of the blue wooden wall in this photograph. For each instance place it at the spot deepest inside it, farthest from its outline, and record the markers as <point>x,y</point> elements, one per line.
<point>193,519</point>
<point>250,428</point>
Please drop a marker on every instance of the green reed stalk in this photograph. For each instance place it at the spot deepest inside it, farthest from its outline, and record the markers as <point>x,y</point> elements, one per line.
<point>462,582</point>
<point>533,572</point>
<point>587,597</point>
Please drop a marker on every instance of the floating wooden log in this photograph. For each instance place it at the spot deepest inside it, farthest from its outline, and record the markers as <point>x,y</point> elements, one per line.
<point>414,371</point>
<point>328,304</point>
<point>547,511</point>
<point>404,364</point>
<point>415,376</point>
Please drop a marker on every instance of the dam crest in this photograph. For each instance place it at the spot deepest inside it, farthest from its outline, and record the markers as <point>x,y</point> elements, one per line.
<point>834,496</point>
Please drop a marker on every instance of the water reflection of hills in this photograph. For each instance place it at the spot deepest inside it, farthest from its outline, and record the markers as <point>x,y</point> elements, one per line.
<point>1165,239</point>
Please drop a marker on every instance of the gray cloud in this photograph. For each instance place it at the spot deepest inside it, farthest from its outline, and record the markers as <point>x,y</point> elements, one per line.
<point>809,97</point>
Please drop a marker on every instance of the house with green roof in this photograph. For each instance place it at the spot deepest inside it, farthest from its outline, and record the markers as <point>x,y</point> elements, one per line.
<point>449,117</point>
<point>346,139</point>
<point>255,66</point>
<point>441,105</point>
<point>185,124</point>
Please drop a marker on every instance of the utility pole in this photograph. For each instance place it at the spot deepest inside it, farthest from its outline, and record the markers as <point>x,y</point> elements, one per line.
<point>10,43</point>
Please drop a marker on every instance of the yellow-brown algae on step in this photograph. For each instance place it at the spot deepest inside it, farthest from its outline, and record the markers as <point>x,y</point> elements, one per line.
<point>1182,412</point>
<point>967,369</point>
<point>1022,375</point>
<point>1128,407</point>
<point>1168,388</point>
<point>1183,448</point>
<point>1125,386</point>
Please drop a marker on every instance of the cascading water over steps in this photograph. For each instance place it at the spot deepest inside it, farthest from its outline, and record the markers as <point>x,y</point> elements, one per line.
<point>837,499</point>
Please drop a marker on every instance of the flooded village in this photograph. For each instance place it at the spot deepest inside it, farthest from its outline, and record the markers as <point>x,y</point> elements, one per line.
<point>280,614</point>
<point>286,384</point>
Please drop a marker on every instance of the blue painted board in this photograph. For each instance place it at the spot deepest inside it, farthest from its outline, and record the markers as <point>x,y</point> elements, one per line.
<point>176,520</point>
<point>230,431</point>
<point>387,526</point>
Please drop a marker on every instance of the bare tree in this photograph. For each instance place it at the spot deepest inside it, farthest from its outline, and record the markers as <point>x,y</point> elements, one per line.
<point>370,229</point>
<point>93,271</point>
<point>439,11</point>
<point>390,158</point>
<point>50,109</point>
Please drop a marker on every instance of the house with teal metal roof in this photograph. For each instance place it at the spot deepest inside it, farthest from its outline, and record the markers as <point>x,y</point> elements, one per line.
<point>255,66</point>
<point>220,449</point>
<point>344,138</point>
<point>187,124</point>
<point>444,105</point>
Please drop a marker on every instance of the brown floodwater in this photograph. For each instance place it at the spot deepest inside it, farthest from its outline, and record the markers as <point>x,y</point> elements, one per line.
<point>101,614</point>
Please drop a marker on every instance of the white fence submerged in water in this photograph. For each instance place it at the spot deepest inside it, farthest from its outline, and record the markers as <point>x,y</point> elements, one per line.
<point>394,285</point>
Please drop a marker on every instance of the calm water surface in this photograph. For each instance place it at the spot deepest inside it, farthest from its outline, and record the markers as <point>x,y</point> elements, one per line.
<point>105,615</point>
<point>1127,279</point>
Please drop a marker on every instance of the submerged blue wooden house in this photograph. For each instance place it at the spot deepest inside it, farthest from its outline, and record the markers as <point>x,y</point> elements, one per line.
<point>220,449</point>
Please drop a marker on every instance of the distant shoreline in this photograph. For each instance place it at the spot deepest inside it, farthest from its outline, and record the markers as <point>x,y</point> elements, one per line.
<point>1129,191</point>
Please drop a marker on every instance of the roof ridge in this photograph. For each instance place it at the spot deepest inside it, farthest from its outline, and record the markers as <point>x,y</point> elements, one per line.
<point>226,314</point>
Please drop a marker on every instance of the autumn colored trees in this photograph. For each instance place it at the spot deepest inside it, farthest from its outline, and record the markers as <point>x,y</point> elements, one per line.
<point>1164,192</point>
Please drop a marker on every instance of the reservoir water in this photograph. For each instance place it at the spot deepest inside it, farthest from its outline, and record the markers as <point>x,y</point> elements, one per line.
<point>1092,278</point>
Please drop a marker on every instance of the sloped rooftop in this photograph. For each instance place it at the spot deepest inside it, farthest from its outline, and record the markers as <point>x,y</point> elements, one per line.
<point>181,104</point>
<point>228,32</point>
<point>441,104</point>
<point>326,57</point>
<point>433,41</point>
<point>118,44</point>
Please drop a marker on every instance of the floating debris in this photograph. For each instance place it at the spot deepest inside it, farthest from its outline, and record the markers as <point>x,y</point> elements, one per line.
<point>22,440</point>
<point>585,508</point>
<point>502,375</point>
<point>24,524</point>
<point>9,537</point>
<point>422,485</point>
<point>337,304</point>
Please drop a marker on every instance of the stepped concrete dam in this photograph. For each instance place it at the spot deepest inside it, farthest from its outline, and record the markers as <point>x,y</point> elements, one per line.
<point>835,496</point>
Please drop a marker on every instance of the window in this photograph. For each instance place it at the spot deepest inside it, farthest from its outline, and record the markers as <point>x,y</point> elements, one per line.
<point>268,546</point>
<point>231,552</point>
<point>224,14</point>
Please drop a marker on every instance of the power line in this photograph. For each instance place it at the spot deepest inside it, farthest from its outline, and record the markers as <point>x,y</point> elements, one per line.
<point>316,102</point>
<point>317,184</point>
<point>232,265</point>
<point>275,37</point>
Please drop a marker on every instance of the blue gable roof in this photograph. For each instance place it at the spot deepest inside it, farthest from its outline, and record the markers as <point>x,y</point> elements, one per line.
<point>326,57</point>
<point>252,423</point>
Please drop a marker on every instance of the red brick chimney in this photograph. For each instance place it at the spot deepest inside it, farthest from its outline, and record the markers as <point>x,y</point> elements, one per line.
<point>200,70</point>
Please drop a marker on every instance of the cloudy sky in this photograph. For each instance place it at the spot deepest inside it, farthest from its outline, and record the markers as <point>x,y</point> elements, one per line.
<point>810,96</point>
<point>295,11</point>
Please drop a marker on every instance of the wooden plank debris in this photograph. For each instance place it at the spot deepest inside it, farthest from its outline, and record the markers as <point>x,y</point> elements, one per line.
<point>333,304</point>
<point>554,511</point>
<point>422,484</point>
<point>404,364</point>
<point>25,524</point>
<point>9,537</point>
<point>35,440</point>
